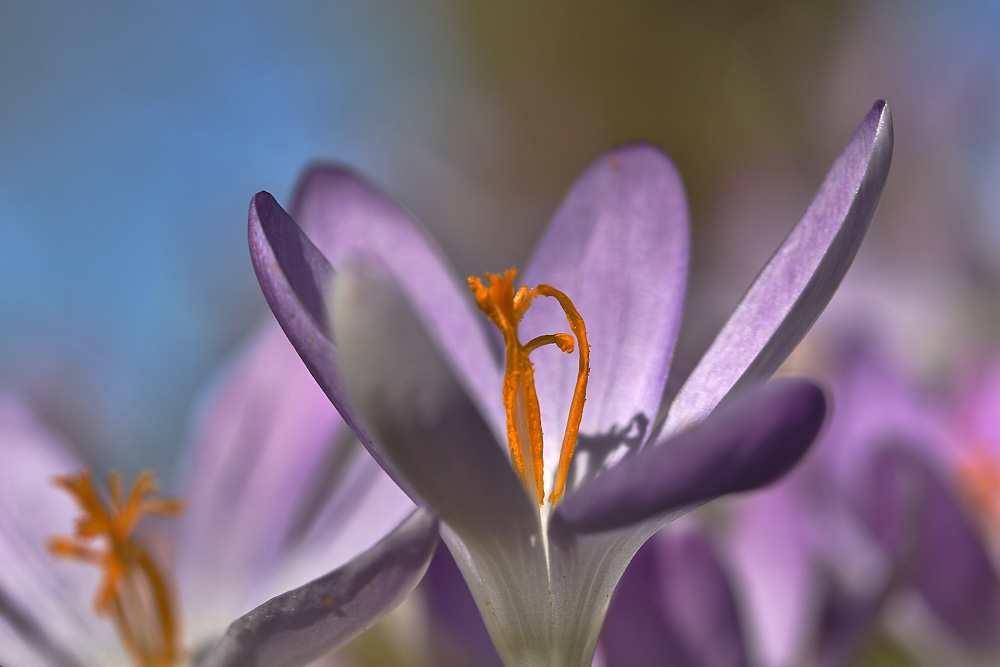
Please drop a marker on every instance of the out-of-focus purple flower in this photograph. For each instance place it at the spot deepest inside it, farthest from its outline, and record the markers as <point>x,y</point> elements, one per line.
<point>458,636</point>
<point>975,422</point>
<point>872,519</point>
<point>279,493</point>
<point>675,605</point>
<point>394,341</point>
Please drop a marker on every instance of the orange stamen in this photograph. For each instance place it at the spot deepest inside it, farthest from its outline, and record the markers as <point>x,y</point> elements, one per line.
<point>133,591</point>
<point>524,422</point>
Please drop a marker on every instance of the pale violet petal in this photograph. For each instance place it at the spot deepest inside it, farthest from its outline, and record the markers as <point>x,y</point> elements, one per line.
<point>304,624</point>
<point>674,599</point>
<point>295,278</point>
<point>917,515</point>
<point>361,505</point>
<point>24,642</point>
<point>798,281</point>
<point>426,424</point>
<point>778,584</point>
<point>49,599</point>
<point>618,247</point>
<point>345,214</point>
<point>268,457</point>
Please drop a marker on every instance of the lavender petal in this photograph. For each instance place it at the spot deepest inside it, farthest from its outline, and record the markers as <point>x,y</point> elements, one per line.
<point>44,601</point>
<point>748,442</point>
<point>425,422</point>
<point>618,247</point>
<point>796,284</point>
<point>675,599</point>
<point>295,278</point>
<point>345,215</point>
<point>302,625</point>
<point>270,443</point>
<point>916,517</point>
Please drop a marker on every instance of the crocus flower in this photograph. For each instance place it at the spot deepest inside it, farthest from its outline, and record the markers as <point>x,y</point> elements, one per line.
<point>289,528</point>
<point>871,525</point>
<point>397,345</point>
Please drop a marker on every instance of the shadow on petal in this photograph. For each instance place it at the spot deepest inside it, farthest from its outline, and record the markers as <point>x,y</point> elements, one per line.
<point>746,443</point>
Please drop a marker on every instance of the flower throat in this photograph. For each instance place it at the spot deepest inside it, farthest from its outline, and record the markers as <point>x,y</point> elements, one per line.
<point>524,421</point>
<point>133,591</point>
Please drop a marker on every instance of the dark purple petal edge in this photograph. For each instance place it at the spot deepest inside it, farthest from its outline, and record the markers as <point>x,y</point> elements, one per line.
<point>304,624</point>
<point>748,442</point>
<point>294,276</point>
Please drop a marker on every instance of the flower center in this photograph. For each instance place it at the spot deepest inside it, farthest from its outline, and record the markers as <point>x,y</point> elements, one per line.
<point>979,482</point>
<point>134,592</point>
<point>524,421</point>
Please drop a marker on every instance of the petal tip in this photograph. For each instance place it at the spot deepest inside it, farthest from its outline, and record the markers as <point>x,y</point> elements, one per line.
<point>879,122</point>
<point>262,207</point>
<point>638,155</point>
<point>262,198</point>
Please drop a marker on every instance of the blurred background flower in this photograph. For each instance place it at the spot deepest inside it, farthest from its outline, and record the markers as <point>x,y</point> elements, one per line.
<point>134,134</point>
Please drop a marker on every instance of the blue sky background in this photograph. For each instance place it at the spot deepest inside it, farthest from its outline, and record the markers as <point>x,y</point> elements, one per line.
<point>133,136</point>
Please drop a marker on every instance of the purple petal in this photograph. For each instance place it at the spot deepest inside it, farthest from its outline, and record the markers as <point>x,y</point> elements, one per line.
<point>265,431</point>
<point>270,444</point>
<point>778,582</point>
<point>44,601</point>
<point>918,519</point>
<point>295,278</point>
<point>302,625</point>
<point>801,564</point>
<point>747,443</point>
<point>618,247</point>
<point>955,574</point>
<point>674,604</point>
<point>346,215</point>
<point>460,638</point>
<point>873,398</point>
<point>423,419</point>
<point>799,280</point>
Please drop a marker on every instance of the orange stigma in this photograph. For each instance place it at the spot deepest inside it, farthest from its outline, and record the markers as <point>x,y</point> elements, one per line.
<point>133,592</point>
<point>524,421</point>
